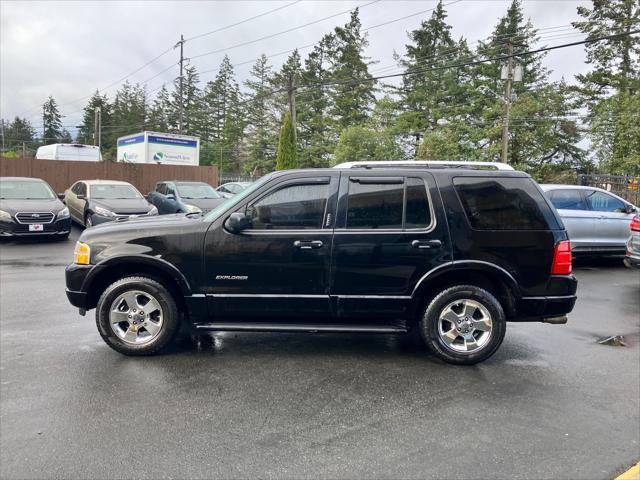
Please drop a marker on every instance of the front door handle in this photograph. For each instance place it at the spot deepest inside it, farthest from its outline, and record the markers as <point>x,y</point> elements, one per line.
<point>426,244</point>
<point>307,244</point>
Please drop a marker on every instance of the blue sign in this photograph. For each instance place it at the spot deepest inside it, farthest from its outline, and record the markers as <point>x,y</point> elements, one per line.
<point>131,140</point>
<point>172,141</point>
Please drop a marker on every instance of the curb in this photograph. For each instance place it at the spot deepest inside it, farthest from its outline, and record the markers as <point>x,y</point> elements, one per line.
<point>632,474</point>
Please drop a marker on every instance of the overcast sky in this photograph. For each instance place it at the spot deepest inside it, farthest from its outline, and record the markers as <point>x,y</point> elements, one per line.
<point>68,49</point>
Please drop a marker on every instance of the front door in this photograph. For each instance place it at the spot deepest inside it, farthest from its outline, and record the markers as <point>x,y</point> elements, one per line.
<point>279,267</point>
<point>390,232</point>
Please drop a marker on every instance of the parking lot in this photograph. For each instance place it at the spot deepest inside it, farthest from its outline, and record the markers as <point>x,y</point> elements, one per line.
<point>551,403</point>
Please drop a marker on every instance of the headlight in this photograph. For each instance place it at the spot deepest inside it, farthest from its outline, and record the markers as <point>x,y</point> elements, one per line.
<point>81,254</point>
<point>64,213</point>
<point>153,211</point>
<point>192,208</point>
<point>104,212</point>
<point>5,215</point>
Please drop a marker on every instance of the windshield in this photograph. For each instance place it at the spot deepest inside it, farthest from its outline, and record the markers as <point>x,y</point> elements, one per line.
<point>223,207</point>
<point>196,190</point>
<point>113,191</point>
<point>28,190</point>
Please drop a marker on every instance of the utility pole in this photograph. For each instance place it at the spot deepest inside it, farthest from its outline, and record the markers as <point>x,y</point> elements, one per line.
<point>44,127</point>
<point>291,92</point>
<point>507,105</point>
<point>181,110</point>
<point>24,150</point>
<point>97,128</point>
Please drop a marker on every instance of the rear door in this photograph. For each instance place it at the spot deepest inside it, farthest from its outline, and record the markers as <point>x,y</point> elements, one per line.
<point>577,217</point>
<point>611,219</point>
<point>390,232</point>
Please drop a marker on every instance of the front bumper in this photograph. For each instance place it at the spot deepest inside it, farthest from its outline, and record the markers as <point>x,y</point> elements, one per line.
<point>75,276</point>
<point>60,228</point>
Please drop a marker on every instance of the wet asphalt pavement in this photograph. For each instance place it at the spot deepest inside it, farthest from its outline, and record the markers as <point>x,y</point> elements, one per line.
<point>552,403</point>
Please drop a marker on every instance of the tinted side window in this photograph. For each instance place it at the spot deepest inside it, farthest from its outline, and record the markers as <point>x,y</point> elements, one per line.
<point>501,204</point>
<point>82,188</point>
<point>294,207</point>
<point>76,188</point>
<point>169,189</point>
<point>603,202</point>
<point>418,214</point>
<point>161,188</point>
<point>374,205</point>
<point>568,200</point>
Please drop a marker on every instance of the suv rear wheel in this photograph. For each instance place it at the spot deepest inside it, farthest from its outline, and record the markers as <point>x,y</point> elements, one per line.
<point>463,324</point>
<point>137,316</point>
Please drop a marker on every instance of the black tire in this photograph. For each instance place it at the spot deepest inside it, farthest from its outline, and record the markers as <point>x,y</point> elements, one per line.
<point>171,316</point>
<point>429,324</point>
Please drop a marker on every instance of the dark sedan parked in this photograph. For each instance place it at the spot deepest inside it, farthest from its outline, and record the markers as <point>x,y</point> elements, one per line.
<point>92,202</point>
<point>184,197</point>
<point>30,207</point>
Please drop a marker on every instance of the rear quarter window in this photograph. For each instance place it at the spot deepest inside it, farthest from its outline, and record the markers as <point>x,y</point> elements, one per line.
<point>503,203</point>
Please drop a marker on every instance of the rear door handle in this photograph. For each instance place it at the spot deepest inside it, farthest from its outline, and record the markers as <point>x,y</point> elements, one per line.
<point>307,244</point>
<point>426,244</point>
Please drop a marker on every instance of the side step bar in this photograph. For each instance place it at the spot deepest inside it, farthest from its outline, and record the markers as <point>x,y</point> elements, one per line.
<point>299,327</point>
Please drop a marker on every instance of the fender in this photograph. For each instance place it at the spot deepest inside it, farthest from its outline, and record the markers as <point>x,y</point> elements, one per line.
<point>476,265</point>
<point>155,262</point>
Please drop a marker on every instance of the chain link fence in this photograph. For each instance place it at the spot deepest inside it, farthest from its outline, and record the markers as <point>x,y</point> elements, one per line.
<point>624,186</point>
<point>234,177</point>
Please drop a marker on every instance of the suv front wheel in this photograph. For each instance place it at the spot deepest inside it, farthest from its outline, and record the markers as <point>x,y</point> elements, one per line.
<point>137,316</point>
<point>463,324</point>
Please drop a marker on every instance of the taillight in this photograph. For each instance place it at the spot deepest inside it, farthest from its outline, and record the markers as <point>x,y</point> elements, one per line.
<point>635,224</point>
<point>562,258</point>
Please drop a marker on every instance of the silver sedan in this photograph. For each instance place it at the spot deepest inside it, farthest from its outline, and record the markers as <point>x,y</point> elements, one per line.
<point>597,220</point>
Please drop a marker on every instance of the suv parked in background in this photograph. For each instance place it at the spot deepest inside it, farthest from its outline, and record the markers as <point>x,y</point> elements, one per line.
<point>632,258</point>
<point>184,197</point>
<point>452,252</point>
<point>597,221</point>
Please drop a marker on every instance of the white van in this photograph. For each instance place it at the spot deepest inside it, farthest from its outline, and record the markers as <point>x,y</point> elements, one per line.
<point>69,151</point>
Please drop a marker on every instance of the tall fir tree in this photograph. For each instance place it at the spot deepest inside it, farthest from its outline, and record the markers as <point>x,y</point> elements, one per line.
<point>87,128</point>
<point>19,132</point>
<point>191,102</point>
<point>610,91</point>
<point>161,112</point>
<point>260,134</point>
<point>52,122</point>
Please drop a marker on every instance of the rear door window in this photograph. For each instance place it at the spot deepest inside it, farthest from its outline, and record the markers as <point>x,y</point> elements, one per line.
<point>418,212</point>
<point>568,200</point>
<point>603,202</point>
<point>492,203</point>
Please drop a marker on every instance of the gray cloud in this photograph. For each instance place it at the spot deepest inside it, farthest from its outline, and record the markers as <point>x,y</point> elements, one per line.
<point>68,49</point>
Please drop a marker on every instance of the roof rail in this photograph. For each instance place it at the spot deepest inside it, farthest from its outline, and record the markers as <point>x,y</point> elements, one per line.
<point>426,164</point>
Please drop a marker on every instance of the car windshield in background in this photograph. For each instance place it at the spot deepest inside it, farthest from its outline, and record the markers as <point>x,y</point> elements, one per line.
<point>106,191</point>
<point>26,191</point>
<point>196,190</point>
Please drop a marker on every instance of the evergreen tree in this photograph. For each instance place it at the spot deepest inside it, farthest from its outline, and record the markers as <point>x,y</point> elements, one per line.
<point>86,131</point>
<point>192,112</point>
<point>129,114</point>
<point>52,121</point>
<point>286,156</point>
<point>351,101</point>
<point>291,71</point>
<point>66,137</point>
<point>611,90</point>
<point>18,132</point>
<point>161,112</point>
<point>261,136</point>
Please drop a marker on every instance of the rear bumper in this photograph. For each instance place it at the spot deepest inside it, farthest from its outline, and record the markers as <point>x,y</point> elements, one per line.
<point>543,307</point>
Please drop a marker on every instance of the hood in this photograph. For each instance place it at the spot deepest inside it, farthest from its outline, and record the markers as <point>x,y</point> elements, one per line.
<point>204,203</point>
<point>129,230</point>
<point>126,206</point>
<point>12,206</point>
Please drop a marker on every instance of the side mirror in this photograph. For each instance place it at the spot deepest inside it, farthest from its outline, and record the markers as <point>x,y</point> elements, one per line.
<point>630,209</point>
<point>81,197</point>
<point>61,196</point>
<point>237,222</point>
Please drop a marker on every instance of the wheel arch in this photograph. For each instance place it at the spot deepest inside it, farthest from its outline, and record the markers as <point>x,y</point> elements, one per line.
<point>491,277</point>
<point>157,269</point>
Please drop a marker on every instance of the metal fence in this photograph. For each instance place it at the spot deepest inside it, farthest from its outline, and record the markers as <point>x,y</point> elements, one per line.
<point>234,177</point>
<point>624,186</point>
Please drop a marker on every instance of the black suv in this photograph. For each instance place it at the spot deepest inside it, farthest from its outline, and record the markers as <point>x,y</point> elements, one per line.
<point>452,252</point>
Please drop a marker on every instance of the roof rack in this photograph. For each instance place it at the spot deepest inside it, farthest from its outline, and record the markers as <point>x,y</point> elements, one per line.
<point>427,164</point>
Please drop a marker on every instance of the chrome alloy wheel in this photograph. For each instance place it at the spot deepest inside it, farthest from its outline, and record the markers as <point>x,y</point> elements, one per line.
<point>465,326</point>
<point>136,317</point>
